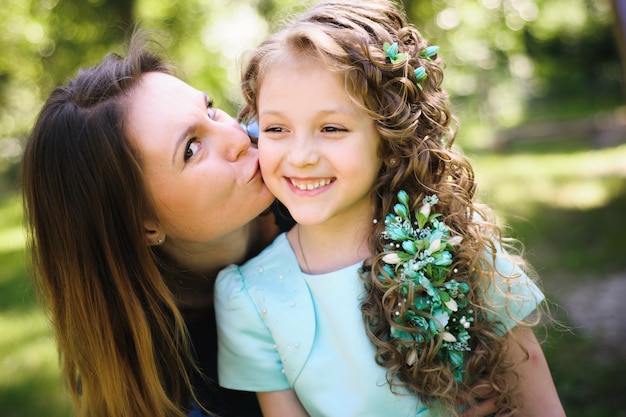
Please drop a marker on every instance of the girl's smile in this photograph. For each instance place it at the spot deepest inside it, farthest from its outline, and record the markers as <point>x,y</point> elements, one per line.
<point>318,151</point>
<point>309,184</point>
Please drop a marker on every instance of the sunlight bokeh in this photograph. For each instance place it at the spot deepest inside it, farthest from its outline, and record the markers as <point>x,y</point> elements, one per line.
<point>11,239</point>
<point>27,348</point>
<point>11,231</point>
<point>575,180</point>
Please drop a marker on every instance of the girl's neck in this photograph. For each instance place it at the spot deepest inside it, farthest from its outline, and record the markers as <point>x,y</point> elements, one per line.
<point>331,246</point>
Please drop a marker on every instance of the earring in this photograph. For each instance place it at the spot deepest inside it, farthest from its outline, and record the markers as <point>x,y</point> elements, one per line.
<point>159,240</point>
<point>392,162</point>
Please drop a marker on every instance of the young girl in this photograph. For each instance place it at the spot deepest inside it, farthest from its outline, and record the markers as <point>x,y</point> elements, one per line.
<point>393,294</point>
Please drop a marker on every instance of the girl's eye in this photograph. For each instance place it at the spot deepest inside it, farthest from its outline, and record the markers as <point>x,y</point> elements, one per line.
<point>273,129</point>
<point>331,129</point>
<point>191,149</point>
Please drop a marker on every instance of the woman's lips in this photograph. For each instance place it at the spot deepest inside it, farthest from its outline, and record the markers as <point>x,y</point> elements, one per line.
<point>256,173</point>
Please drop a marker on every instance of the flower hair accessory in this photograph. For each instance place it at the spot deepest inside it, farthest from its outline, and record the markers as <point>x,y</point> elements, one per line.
<point>420,75</point>
<point>396,57</point>
<point>429,52</point>
<point>392,52</point>
<point>251,127</point>
<point>418,259</point>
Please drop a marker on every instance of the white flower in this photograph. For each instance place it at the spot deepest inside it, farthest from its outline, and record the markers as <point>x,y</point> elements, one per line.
<point>425,210</point>
<point>411,358</point>
<point>435,245</point>
<point>452,305</point>
<point>455,240</point>
<point>392,258</point>
<point>448,337</point>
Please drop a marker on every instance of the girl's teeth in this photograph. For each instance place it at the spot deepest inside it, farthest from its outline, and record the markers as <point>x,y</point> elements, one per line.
<point>311,185</point>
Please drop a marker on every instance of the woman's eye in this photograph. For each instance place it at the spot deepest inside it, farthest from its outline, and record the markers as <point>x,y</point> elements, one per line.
<point>191,149</point>
<point>210,110</point>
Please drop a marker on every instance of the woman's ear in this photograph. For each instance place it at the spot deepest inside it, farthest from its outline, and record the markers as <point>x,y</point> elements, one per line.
<point>153,232</point>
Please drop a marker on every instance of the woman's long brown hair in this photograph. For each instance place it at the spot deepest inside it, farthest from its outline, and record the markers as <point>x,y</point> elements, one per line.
<point>122,342</point>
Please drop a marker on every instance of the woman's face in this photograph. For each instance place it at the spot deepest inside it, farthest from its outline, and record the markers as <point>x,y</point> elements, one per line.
<point>197,160</point>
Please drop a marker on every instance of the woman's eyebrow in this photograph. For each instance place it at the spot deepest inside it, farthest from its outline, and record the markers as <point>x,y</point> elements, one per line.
<point>181,139</point>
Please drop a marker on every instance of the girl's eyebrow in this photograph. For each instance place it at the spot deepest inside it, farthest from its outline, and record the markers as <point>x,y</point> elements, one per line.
<point>331,110</point>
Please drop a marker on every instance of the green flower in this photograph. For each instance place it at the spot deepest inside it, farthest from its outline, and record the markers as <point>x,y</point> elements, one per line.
<point>442,258</point>
<point>421,251</point>
<point>430,51</point>
<point>410,246</point>
<point>420,75</point>
<point>395,230</point>
<point>392,52</point>
<point>403,197</point>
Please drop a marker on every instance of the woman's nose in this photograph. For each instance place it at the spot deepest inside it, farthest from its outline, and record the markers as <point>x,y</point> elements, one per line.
<point>237,143</point>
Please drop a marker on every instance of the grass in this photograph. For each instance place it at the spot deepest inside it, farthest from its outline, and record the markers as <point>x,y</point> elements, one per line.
<point>566,206</point>
<point>565,201</point>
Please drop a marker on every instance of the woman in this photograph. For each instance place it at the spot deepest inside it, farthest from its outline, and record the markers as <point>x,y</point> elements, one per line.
<point>137,192</point>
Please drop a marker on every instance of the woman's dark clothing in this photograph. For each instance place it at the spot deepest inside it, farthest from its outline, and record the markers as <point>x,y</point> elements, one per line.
<point>218,400</point>
<point>203,333</point>
<point>284,221</point>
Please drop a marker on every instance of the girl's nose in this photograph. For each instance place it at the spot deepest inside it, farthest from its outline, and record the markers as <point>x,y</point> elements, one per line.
<point>303,151</point>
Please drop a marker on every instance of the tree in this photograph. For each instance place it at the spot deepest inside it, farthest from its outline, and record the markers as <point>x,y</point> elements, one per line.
<point>619,30</point>
<point>43,43</point>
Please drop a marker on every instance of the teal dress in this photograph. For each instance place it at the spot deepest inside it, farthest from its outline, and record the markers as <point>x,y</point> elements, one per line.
<point>279,328</point>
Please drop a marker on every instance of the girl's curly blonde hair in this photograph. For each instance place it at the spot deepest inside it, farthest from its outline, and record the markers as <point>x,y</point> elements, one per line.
<point>417,131</point>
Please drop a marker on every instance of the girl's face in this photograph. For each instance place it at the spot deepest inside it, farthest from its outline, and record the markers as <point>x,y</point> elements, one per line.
<point>318,151</point>
<point>197,160</point>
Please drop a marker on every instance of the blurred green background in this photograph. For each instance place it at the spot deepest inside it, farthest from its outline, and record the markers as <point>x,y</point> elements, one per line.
<point>537,86</point>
